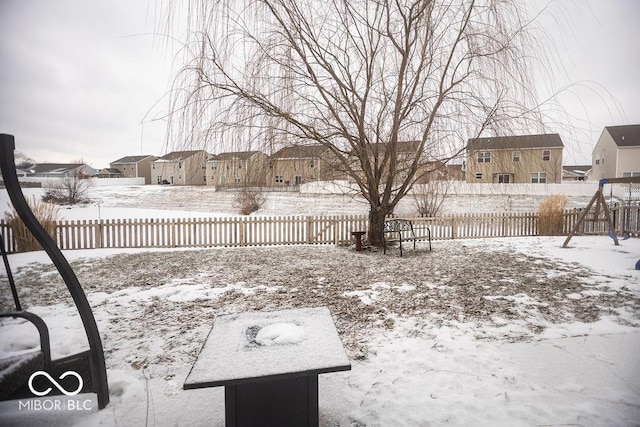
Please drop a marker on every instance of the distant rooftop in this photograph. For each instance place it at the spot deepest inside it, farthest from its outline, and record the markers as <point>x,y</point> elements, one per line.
<point>625,136</point>
<point>549,140</point>
<point>132,159</point>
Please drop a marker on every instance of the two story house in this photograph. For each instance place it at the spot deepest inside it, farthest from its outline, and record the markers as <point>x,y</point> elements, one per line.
<point>298,164</point>
<point>135,167</point>
<point>237,169</point>
<point>515,159</point>
<point>181,168</point>
<point>617,153</point>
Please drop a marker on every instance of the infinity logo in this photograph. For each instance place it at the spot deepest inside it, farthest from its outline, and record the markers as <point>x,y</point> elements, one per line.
<point>55,383</point>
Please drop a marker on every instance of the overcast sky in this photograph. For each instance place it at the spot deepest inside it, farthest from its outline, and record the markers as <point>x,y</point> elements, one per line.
<point>78,77</point>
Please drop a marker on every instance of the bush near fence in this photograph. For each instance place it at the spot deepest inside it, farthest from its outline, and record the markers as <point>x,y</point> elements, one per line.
<point>293,230</point>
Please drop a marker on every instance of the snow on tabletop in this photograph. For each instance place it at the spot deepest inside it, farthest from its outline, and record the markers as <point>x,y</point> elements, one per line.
<point>280,334</point>
<point>309,343</point>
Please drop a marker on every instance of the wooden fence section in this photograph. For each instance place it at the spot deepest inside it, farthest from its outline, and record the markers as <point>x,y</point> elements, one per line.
<point>291,230</point>
<point>468,226</point>
<point>201,232</point>
<point>625,220</point>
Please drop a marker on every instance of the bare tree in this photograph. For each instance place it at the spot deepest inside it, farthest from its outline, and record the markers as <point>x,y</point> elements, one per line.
<point>24,162</point>
<point>69,190</point>
<point>388,86</point>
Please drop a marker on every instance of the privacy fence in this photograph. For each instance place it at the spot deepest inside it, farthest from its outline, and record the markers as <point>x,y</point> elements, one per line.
<point>293,230</point>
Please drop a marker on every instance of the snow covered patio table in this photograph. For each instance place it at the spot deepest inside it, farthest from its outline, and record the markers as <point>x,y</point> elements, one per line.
<point>269,363</point>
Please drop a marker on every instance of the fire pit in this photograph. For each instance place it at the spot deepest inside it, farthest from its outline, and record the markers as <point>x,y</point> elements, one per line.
<point>269,363</point>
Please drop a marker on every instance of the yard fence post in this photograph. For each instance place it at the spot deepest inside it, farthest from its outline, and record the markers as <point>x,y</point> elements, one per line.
<point>454,228</point>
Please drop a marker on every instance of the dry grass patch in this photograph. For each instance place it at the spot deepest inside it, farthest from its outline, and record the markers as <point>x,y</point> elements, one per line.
<point>551,215</point>
<point>48,216</point>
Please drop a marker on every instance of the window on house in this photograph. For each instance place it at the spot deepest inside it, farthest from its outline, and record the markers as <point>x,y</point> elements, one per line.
<point>180,165</point>
<point>312,163</point>
<point>504,178</point>
<point>630,174</point>
<point>484,157</point>
<point>516,156</point>
<point>279,178</point>
<point>297,180</point>
<point>597,161</point>
<point>538,177</point>
<point>240,166</point>
<point>546,155</point>
<point>236,178</point>
<point>153,166</point>
<point>479,175</point>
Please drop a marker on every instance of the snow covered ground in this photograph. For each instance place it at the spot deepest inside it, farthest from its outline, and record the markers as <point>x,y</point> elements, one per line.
<point>513,332</point>
<point>149,201</point>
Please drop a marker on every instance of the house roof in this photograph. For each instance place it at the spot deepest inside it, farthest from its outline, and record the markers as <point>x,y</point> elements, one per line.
<point>132,159</point>
<point>242,155</point>
<point>577,170</point>
<point>550,140</point>
<point>180,155</point>
<point>625,136</point>
<point>300,152</point>
<point>401,146</point>
<point>55,167</point>
<point>112,171</point>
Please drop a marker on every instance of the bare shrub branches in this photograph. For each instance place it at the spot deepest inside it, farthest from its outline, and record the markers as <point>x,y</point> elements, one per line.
<point>69,190</point>
<point>249,200</point>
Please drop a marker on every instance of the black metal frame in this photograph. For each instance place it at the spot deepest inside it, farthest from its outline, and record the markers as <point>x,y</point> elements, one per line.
<point>402,230</point>
<point>95,355</point>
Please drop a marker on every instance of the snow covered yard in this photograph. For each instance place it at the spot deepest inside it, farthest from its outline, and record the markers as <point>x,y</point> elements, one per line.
<point>476,332</point>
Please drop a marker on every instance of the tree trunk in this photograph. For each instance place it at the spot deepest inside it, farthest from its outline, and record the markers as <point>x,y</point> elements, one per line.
<point>377,216</point>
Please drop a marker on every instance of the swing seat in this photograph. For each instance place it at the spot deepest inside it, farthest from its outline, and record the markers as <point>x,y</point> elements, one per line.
<point>16,370</point>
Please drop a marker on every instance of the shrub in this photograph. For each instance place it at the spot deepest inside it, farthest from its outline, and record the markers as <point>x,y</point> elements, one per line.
<point>70,190</point>
<point>429,197</point>
<point>248,201</point>
<point>551,215</point>
<point>46,213</point>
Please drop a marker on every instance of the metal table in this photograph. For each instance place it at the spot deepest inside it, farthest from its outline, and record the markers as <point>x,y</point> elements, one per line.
<point>269,364</point>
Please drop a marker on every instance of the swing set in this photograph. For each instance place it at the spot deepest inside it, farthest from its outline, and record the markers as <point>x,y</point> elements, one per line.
<point>601,206</point>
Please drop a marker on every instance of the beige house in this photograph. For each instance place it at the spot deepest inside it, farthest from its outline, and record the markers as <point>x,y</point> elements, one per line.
<point>406,152</point>
<point>109,173</point>
<point>515,159</point>
<point>237,169</point>
<point>299,164</point>
<point>617,153</point>
<point>181,168</point>
<point>135,167</point>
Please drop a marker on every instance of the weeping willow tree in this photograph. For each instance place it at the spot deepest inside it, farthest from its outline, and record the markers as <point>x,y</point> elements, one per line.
<point>390,87</point>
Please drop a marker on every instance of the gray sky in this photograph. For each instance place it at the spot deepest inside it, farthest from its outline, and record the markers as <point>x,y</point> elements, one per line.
<point>78,77</point>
